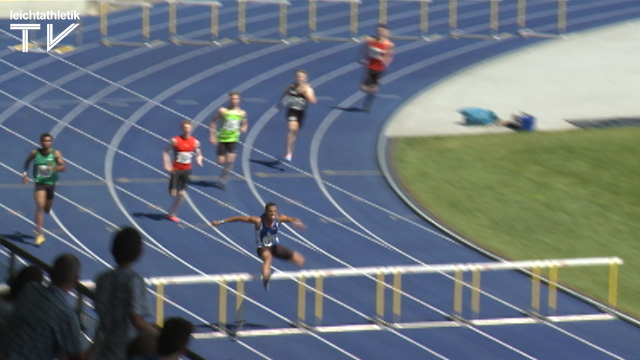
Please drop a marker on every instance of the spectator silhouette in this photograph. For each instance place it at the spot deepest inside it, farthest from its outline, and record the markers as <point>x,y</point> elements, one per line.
<point>121,299</point>
<point>171,344</point>
<point>27,274</point>
<point>43,324</point>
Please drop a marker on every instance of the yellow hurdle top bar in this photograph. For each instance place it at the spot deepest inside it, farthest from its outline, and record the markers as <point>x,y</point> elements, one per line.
<point>402,269</point>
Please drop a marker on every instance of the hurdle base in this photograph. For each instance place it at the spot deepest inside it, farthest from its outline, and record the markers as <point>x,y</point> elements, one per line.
<point>460,34</point>
<point>459,319</point>
<point>535,315</point>
<point>110,42</point>
<point>302,325</point>
<point>528,33</point>
<point>179,40</point>
<point>382,323</point>
<point>319,37</point>
<point>248,39</point>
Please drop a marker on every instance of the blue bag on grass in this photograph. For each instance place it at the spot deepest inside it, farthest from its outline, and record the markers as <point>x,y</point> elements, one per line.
<point>478,116</point>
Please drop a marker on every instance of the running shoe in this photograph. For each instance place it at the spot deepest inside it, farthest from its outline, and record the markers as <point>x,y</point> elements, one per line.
<point>173,218</point>
<point>288,157</point>
<point>40,239</point>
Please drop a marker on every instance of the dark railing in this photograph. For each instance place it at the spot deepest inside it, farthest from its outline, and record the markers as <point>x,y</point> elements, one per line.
<point>82,290</point>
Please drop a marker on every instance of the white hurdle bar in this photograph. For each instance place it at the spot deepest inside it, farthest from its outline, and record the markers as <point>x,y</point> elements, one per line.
<point>528,33</point>
<point>353,21</point>
<point>104,24</point>
<point>224,281</point>
<point>215,25</point>
<point>282,23</point>
<point>494,23</point>
<point>424,20</point>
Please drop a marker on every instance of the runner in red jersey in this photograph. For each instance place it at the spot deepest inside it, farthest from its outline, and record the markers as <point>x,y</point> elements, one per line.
<point>378,54</point>
<point>183,148</point>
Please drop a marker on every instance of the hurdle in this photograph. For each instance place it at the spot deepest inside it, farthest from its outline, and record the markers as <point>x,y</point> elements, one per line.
<point>424,21</point>
<point>494,23</point>
<point>528,33</point>
<point>177,39</point>
<point>145,32</point>
<point>247,38</point>
<point>378,274</point>
<point>353,22</point>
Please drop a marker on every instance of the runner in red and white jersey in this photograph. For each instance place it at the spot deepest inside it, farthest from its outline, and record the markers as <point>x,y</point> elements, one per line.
<point>183,147</point>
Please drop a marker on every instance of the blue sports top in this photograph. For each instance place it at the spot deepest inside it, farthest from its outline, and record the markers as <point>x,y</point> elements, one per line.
<point>267,236</point>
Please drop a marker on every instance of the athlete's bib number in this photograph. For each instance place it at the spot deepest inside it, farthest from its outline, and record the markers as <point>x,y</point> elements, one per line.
<point>43,171</point>
<point>231,125</point>
<point>269,240</point>
<point>184,157</point>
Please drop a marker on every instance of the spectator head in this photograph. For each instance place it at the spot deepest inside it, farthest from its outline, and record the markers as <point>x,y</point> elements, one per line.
<point>174,336</point>
<point>127,246</point>
<point>29,273</point>
<point>66,270</point>
<point>143,344</point>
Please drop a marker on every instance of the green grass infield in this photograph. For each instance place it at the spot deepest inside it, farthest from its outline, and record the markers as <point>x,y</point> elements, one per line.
<point>537,195</point>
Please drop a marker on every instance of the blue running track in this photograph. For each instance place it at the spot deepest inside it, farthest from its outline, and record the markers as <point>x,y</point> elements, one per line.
<point>113,109</point>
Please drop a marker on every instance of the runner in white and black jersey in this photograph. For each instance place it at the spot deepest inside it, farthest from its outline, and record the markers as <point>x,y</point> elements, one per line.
<point>267,241</point>
<point>296,97</point>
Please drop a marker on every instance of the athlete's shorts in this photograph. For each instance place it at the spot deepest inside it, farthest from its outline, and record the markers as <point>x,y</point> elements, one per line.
<point>50,189</point>
<point>277,251</point>
<point>372,77</point>
<point>179,180</point>
<point>225,148</point>
<point>295,115</point>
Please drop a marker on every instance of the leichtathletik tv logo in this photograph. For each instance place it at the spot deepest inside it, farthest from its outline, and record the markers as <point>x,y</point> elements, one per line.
<point>28,21</point>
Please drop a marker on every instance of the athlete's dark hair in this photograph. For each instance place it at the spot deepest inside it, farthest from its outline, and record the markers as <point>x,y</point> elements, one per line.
<point>301,71</point>
<point>383,26</point>
<point>45,135</point>
<point>268,205</point>
<point>185,121</point>
<point>231,93</point>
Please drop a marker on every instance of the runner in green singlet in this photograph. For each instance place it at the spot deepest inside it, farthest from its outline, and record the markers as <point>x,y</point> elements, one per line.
<point>224,130</point>
<point>47,163</point>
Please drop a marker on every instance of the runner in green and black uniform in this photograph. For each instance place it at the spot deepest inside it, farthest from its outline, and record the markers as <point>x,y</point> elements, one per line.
<point>224,130</point>
<point>47,163</point>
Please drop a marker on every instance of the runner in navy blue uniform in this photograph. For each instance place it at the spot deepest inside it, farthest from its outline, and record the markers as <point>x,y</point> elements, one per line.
<point>267,241</point>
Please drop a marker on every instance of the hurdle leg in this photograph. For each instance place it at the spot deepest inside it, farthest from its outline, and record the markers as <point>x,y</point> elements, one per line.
<point>380,284</point>
<point>613,284</point>
<point>318,299</point>
<point>553,289</point>
<point>457,292</point>
<point>475,293</point>
<point>397,298</point>
<point>353,19</point>
<point>301,299</point>
<point>535,289</point>
<point>222,304</point>
<point>239,301</point>
<point>160,305</point>
<point>382,17</point>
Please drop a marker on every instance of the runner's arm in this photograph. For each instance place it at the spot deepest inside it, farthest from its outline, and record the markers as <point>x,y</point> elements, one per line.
<point>247,219</point>
<point>295,221</point>
<point>198,153</point>
<point>60,163</point>
<point>25,173</point>
<point>166,158</point>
